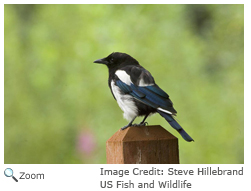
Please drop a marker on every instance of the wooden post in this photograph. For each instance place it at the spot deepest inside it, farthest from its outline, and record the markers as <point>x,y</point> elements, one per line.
<point>142,145</point>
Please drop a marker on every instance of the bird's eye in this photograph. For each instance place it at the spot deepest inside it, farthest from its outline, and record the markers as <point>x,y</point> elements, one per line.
<point>111,60</point>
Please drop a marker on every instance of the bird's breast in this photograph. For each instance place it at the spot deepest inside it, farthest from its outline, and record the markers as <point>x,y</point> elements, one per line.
<point>125,101</point>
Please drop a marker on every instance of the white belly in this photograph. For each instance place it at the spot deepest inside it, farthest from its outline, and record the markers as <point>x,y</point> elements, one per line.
<point>125,102</point>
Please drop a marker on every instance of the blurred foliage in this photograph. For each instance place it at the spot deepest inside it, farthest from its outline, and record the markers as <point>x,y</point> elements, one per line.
<point>56,98</point>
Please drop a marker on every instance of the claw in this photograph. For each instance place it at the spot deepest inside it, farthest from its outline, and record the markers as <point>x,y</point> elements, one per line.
<point>123,128</point>
<point>134,125</point>
<point>143,124</point>
<point>140,124</point>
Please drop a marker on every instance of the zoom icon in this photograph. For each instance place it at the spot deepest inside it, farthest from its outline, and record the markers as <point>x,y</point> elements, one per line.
<point>9,173</point>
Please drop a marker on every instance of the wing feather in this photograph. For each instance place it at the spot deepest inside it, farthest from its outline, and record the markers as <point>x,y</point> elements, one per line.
<point>138,82</point>
<point>148,97</point>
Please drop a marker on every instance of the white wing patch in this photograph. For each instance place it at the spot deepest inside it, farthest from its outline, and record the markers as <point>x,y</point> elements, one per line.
<point>164,110</point>
<point>142,83</point>
<point>125,102</point>
<point>124,77</point>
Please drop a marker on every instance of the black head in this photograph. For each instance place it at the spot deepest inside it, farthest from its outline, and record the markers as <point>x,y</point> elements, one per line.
<point>117,59</point>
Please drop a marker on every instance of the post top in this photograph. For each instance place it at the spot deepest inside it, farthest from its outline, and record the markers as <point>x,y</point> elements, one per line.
<point>142,133</point>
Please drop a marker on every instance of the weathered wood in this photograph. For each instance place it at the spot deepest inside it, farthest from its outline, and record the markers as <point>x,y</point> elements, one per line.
<point>142,145</point>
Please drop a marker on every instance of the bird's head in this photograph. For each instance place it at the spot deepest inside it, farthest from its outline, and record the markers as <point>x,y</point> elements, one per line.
<point>117,59</point>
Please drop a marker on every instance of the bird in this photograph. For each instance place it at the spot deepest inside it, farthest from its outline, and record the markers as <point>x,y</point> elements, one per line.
<point>137,94</point>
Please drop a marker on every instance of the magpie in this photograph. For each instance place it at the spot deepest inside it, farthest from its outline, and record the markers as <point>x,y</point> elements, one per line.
<point>136,92</point>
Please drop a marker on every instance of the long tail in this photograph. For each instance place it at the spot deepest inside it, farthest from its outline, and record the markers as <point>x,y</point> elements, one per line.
<point>176,126</point>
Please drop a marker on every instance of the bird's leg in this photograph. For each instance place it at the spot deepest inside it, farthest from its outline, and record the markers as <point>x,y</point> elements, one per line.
<point>143,123</point>
<point>129,124</point>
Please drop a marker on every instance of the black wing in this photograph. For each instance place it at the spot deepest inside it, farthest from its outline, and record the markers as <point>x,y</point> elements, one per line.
<point>144,89</point>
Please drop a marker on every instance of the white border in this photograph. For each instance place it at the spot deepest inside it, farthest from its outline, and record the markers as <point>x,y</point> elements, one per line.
<point>87,177</point>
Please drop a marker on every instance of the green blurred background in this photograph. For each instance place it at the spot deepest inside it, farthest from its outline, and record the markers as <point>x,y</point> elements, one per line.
<point>59,109</point>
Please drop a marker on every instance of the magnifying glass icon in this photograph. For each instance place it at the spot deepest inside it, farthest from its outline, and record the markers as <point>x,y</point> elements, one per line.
<point>9,173</point>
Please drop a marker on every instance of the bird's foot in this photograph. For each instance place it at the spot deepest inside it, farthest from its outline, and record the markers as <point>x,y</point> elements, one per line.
<point>123,128</point>
<point>134,125</point>
<point>140,124</point>
<point>144,124</point>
